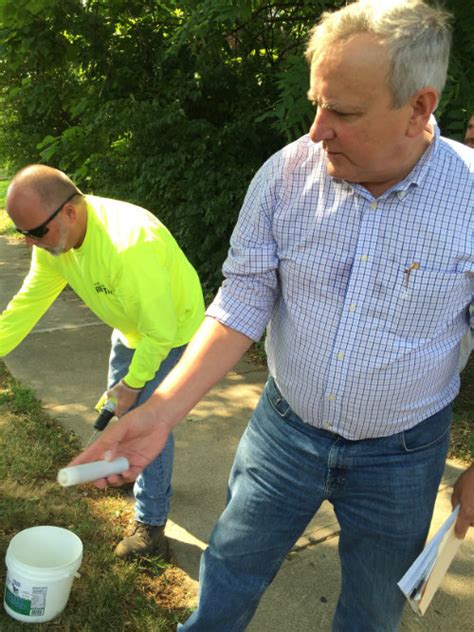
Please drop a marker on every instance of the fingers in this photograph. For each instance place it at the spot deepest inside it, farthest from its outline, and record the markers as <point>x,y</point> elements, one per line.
<point>117,480</point>
<point>462,525</point>
<point>463,495</point>
<point>101,483</point>
<point>460,529</point>
<point>101,449</point>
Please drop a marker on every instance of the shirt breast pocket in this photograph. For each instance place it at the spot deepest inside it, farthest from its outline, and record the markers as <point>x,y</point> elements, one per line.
<point>424,302</point>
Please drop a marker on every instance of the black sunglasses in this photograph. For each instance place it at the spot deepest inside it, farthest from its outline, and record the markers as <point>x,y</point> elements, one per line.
<point>41,230</point>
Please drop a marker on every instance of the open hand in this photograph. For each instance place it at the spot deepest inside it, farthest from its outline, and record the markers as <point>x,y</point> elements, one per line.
<point>138,436</point>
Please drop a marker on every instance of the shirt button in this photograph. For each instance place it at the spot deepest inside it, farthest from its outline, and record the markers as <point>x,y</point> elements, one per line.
<point>401,195</point>
<point>328,424</point>
<point>373,205</point>
<point>363,259</point>
<point>352,307</point>
<point>331,397</point>
<point>340,355</point>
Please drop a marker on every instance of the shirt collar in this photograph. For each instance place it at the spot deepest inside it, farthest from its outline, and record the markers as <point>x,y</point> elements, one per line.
<point>421,168</point>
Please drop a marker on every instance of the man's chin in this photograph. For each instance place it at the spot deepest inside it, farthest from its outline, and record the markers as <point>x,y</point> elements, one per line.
<point>336,171</point>
<point>339,169</point>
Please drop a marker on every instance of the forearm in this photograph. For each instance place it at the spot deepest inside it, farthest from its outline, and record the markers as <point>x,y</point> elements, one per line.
<point>212,352</point>
<point>38,292</point>
<point>146,360</point>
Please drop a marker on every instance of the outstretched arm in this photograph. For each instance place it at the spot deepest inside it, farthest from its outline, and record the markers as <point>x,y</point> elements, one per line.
<point>39,290</point>
<point>141,434</point>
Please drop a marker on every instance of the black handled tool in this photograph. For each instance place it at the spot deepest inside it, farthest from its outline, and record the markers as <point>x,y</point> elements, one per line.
<point>105,415</point>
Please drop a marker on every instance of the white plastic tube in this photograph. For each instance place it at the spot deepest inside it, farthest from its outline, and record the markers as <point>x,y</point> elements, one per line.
<point>87,472</point>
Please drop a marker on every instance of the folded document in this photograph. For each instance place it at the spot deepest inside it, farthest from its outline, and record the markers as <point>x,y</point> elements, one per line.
<point>424,576</point>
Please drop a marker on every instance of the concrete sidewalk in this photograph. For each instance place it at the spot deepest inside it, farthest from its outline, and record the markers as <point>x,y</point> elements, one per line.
<point>65,359</point>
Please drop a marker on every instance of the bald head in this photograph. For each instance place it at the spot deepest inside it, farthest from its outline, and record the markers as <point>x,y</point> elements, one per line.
<point>43,185</point>
<point>39,195</point>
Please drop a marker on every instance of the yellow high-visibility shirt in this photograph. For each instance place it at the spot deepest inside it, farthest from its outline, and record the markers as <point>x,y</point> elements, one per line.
<point>130,272</point>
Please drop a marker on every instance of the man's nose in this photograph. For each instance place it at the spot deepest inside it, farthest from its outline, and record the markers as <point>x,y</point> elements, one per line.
<point>321,129</point>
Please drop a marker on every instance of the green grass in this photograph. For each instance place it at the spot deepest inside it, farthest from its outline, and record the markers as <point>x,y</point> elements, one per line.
<point>110,594</point>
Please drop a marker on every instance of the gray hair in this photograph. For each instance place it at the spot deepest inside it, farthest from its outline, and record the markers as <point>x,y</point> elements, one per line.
<point>417,36</point>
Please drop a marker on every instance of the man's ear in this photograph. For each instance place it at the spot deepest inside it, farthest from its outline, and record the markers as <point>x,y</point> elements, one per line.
<point>423,104</point>
<point>70,212</point>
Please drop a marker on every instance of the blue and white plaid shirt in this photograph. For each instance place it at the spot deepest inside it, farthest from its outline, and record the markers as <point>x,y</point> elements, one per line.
<point>366,299</point>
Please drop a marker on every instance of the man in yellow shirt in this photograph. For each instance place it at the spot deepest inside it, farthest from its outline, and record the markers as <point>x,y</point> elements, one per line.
<point>128,269</point>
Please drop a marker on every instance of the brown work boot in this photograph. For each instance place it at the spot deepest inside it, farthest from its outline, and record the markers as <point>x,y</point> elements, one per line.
<point>144,540</point>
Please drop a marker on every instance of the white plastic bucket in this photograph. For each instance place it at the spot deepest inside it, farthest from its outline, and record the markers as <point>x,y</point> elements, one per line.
<point>41,565</point>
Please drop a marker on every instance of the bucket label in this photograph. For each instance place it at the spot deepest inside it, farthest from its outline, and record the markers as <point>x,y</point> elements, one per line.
<point>25,598</point>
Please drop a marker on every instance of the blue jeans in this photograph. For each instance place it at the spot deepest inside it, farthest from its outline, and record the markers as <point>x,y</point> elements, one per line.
<point>382,490</point>
<point>152,489</point>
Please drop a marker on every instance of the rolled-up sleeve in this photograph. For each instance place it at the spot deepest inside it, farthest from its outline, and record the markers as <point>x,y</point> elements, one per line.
<point>247,296</point>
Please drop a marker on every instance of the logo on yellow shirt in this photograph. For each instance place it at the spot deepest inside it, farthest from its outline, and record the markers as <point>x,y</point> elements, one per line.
<point>101,289</point>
